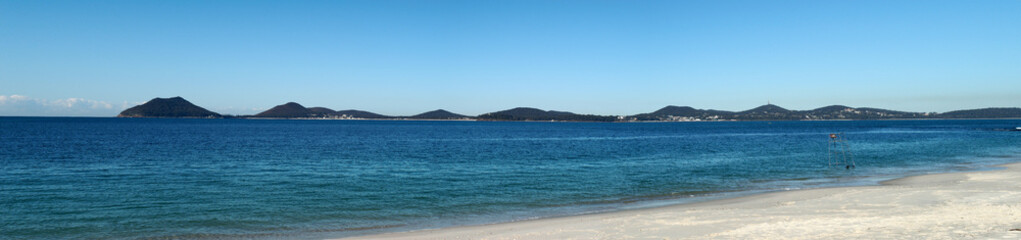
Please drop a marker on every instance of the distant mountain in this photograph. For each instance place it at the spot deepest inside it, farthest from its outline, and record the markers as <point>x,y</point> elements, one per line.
<point>831,109</point>
<point>525,113</point>
<point>438,114</point>
<point>984,113</point>
<point>321,112</point>
<point>831,112</point>
<point>768,112</point>
<point>877,113</point>
<point>295,110</point>
<point>533,114</point>
<point>287,110</point>
<point>678,111</point>
<point>675,113</point>
<point>175,107</point>
<point>361,114</point>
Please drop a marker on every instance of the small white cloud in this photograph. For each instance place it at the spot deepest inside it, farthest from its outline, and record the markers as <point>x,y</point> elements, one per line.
<point>12,99</point>
<point>19,105</point>
<point>78,103</point>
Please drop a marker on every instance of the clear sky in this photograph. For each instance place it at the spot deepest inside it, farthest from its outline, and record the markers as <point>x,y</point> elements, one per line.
<point>96,58</point>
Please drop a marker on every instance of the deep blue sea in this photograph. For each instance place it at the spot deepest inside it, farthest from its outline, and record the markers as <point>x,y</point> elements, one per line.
<point>109,178</point>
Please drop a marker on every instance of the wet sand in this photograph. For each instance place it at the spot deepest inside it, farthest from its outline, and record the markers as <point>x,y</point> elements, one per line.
<point>967,205</point>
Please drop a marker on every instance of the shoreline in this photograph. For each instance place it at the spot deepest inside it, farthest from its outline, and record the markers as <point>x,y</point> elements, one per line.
<point>969,204</point>
<point>534,121</point>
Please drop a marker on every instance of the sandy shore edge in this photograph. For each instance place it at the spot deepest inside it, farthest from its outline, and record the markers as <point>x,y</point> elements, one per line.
<point>962,205</point>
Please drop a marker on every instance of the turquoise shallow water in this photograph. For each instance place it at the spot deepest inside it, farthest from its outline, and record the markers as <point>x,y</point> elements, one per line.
<point>113,178</point>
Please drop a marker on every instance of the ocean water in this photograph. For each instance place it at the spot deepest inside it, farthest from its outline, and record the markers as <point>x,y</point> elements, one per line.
<point>108,178</point>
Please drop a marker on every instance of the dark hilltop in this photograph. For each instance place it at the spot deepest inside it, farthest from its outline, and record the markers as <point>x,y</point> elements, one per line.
<point>293,110</point>
<point>439,114</point>
<point>770,112</point>
<point>984,113</point>
<point>177,107</point>
<point>287,110</point>
<point>533,114</point>
<point>675,113</point>
<point>356,114</point>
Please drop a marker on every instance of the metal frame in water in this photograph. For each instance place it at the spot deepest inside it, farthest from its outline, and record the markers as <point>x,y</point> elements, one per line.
<point>839,152</point>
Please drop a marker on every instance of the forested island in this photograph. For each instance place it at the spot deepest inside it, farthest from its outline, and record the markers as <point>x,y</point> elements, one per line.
<point>175,107</point>
<point>178,107</point>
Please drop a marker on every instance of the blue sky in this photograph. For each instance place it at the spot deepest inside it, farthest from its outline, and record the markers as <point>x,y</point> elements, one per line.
<point>96,58</point>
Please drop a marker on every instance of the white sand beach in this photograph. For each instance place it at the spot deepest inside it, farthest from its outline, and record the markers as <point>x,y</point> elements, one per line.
<point>969,205</point>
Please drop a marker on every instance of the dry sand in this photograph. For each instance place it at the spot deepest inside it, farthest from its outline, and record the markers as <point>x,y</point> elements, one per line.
<point>970,205</point>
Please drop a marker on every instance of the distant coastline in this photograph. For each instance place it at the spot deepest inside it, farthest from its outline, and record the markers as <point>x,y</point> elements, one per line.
<point>177,107</point>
